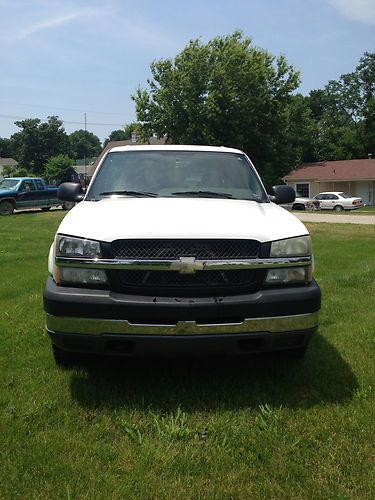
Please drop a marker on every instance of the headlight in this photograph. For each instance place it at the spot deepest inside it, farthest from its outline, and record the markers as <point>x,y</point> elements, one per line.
<point>77,276</point>
<point>289,275</point>
<point>68,246</point>
<point>291,247</point>
<point>71,247</point>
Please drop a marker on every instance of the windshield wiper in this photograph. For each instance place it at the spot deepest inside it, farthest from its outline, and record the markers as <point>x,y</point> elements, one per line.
<point>203,194</point>
<point>130,193</point>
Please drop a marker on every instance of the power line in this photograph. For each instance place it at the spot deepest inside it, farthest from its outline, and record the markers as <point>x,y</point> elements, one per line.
<point>59,107</point>
<point>12,117</point>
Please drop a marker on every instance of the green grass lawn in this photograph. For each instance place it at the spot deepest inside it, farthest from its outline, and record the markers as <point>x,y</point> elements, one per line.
<point>263,427</point>
<point>363,210</point>
<point>368,210</point>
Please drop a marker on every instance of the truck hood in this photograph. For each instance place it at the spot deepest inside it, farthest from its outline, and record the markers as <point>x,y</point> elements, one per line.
<point>131,218</point>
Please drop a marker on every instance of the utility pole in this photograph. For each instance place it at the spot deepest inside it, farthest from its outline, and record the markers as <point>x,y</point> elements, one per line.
<point>84,160</point>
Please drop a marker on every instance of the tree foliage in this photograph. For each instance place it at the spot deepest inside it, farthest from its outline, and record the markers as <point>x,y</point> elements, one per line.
<point>15,171</point>
<point>344,112</point>
<point>225,92</point>
<point>116,135</point>
<point>83,144</point>
<point>6,148</point>
<point>37,141</point>
<point>59,168</point>
<point>126,133</point>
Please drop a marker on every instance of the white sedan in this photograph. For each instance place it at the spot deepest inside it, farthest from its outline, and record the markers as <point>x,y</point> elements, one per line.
<point>338,201</point>
<point>302,203</point>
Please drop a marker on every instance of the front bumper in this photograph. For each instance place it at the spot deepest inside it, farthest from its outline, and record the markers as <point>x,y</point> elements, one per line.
<point>101,321</point>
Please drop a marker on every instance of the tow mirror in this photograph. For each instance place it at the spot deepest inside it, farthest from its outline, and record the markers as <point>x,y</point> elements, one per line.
<point>283,195</point>
<point>70,191</point>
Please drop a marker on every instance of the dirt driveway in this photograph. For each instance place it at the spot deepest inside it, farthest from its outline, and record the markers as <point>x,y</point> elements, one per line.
<point>341,218</point>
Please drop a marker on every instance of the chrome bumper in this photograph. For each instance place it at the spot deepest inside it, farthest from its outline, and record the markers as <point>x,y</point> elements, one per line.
<point>277,324</point>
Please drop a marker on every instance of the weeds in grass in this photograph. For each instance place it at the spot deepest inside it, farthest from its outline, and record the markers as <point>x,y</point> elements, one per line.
<point>132,431</point>
<point>172,426</point>
<point>267,417</point>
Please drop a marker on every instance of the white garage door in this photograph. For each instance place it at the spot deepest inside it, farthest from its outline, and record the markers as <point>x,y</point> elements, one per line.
<point>365,191</point>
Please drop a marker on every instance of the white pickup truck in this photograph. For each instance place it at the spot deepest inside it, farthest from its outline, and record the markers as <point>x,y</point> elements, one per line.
<point>177,250</point>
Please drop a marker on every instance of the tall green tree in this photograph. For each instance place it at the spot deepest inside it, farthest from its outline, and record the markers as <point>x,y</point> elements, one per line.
<point>6,148</point>
<point>116,135</point>
<point>83,144</point>
<point>37,141</point>
<point>225,92</point>
<point>125,133</point>
<point>301,131</point>
<point>345,113</point>
<point>59,168</point>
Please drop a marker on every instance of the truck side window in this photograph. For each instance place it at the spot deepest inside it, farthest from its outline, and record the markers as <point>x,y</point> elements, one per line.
<point>27,185</point>
<point>39,184</point>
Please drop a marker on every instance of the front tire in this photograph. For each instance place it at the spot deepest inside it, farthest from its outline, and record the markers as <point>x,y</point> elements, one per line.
<point>68,205</point>
<point>6,208</point>
<point>296,352</point>
<point>338,208</point>
<point>298,207</point>
<point>64,359</point>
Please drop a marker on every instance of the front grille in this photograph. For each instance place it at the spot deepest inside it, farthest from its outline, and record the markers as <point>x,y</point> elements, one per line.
<point>173,283</point>
<point>166,249</point>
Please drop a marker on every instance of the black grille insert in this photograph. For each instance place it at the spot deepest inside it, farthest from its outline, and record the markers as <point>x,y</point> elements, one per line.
<point>173,283</point>
<point>166,249</point>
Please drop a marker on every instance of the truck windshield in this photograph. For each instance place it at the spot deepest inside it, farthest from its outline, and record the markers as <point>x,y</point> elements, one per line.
<point>8,183</point>
<point>177,174</point>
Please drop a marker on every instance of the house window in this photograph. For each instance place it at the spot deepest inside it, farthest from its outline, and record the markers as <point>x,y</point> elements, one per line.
<point>303,190</point>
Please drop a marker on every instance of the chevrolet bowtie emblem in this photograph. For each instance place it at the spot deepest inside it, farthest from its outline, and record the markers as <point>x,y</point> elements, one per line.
<point>186,265</point>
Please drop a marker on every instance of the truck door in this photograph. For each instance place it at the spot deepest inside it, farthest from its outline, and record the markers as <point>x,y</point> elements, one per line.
<point>27,197</point>
<point>42,196</point>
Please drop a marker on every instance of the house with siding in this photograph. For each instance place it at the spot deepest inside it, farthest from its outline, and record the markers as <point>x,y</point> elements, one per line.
<point>7,162</point>
<point>354,177</point>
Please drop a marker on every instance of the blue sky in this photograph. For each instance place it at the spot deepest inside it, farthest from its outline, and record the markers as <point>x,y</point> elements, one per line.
<point>70,57</point>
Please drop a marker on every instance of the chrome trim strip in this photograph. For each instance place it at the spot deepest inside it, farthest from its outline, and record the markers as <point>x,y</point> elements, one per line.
<point>173,265</point>
<point>92,326</point>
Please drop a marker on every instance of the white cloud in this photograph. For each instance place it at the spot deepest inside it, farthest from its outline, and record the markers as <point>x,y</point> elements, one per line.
<point>53,22</point>
<point>356,10</point>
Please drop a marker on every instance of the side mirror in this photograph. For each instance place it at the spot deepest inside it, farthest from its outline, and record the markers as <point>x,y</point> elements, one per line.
<point>283,194</point>
<point>70,191</point>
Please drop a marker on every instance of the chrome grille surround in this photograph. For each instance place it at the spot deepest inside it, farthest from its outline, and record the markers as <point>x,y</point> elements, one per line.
<point>184,267</point>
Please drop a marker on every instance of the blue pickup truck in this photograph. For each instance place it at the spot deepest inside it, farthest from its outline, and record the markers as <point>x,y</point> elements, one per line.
<point>17,193</point>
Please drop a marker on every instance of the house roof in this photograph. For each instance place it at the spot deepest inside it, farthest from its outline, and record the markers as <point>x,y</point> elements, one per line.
<point>8,161</point>
<point>342,170</point>
<point>82,169</point>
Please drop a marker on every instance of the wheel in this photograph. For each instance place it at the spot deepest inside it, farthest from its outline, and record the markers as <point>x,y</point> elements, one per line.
<point>298,207</point>
<point>338,208</point>
<point>6,208</point>
<point>68,205</point>
<point>45,209</point>
<point>64,358</point>
<point>297,352</point>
